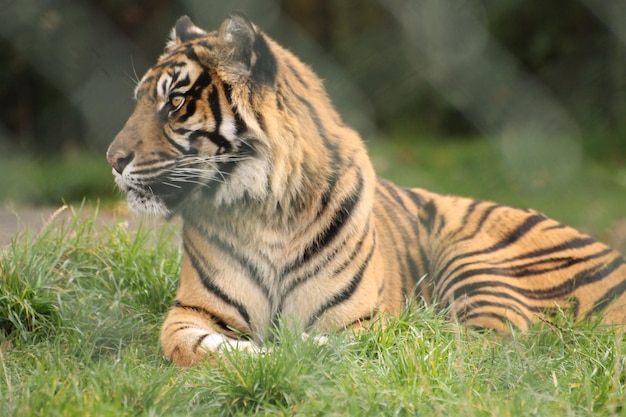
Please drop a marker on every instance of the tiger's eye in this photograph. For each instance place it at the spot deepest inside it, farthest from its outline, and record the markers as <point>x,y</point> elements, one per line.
<point>176,101</point>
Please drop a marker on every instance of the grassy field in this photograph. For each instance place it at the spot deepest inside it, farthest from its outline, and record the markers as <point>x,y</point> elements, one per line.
<point>81,306</point>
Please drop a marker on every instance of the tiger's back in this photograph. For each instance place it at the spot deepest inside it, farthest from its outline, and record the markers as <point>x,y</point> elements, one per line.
<point>495,266</point>
<point>286,224</point>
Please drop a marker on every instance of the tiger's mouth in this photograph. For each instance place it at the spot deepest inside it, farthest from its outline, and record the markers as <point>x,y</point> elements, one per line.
<point>161,196</point>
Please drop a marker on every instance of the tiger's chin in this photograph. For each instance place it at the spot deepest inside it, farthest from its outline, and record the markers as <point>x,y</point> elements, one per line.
<point>151,205</point>
<point>157,200</point>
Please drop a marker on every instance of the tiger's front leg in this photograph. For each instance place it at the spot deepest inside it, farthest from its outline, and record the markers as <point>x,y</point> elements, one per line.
<point>188,334</point>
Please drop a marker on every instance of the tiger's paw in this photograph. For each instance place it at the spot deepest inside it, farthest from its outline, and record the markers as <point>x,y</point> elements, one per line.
<point>217,342</point>
<point>319,339</point>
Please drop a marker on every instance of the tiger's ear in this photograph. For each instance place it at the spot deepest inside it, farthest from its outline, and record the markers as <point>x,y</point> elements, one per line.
<point>184,31</point>
<point>245,54</point>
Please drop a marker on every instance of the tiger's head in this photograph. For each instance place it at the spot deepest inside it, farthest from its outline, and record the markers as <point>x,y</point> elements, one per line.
<point>191,127</point>
<point>225,117</point>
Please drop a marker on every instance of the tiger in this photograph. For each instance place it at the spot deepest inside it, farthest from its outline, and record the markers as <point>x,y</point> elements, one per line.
<point>285,224</point>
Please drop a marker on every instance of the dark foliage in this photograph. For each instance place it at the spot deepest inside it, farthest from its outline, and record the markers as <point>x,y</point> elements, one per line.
<point>68,67</point>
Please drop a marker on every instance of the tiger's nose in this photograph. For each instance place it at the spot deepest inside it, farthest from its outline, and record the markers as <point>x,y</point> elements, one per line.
<point>120,160</point>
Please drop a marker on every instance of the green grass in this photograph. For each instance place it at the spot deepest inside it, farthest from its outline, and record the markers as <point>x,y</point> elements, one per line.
<point>81,307</point>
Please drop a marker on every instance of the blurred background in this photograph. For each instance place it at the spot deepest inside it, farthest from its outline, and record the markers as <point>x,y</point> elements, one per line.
<point>519,101</point>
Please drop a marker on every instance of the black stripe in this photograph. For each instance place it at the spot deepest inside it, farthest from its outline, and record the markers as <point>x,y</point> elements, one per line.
<point>181,131</point>
<point>481,222</point>
<point>415,272</point>
<point>510,239</point>
<point>260,120</point>
<point>393,193</point>
<point>616,291</point>
<point>297,75</point>
<point>442,270</point>
<point>172,142</point>
<point>245,263</point>
<point>416,269</point>
<point>397,226</point>
<point>209,284</point>
<point>323,239</point>
<point>213,317</point>
<point>190,53</point>
<point>335,160</point>
<point>425,261</point>
<point>575,243</point>
<point>553,293</point>
<point>469,211</point>
<point>464,226</point>
<point>196,345</point>
<point>353,254</point>
<point>170,62</point>
<point>588,276</point>
<point>214,103</point>
<point>200,85</point>
<point>493,315</point>
<point>413,195</point>
<point>563,262</point>
<point>209,236</point>
<point>228,92</point>
<point>279,101</point>
<point>556,227</point>
<point>505,296</point>
<point>326,197</point>
<point>515,235</point>
<point>610,296</point>
<point>523,270</point>
<point>347,291</point>
<point>333,149</point>
<point>205,44</point>
<point>180,83</point>
<point>224,169</point>
<point>367,317</point>
<point>314,271</point>
<point>218,140</point>
<point>471,313</point>
<point>145,81</point>
<point>240,125</point>
<point>512,272</point>
<point>182,325</point>
<point>428,216</point>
